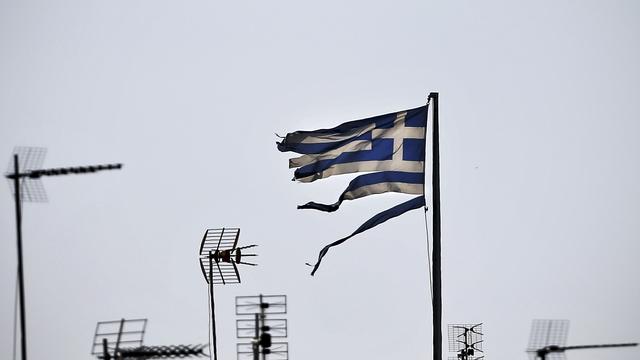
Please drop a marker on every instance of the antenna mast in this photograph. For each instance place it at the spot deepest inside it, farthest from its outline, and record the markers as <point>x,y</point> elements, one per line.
<point>219,257</point>
<point>25,173</point>
<point>261,329</point>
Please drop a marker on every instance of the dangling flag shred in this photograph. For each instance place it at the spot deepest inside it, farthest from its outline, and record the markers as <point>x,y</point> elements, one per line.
<point>390,148</point>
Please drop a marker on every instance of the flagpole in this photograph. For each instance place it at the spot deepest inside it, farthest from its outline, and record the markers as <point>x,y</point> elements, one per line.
<point>436,300</point>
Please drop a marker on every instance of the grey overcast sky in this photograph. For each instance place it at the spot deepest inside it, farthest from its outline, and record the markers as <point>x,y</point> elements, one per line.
<point>540,168</point>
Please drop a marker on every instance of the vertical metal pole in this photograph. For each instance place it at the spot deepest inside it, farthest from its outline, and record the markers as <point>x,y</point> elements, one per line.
<point>256,344</point>
<point>115,352</point>
<point>264,354</point>
<point>213,309</point>
<point>437,281</point>
<point>105,349</point>
<point>23,321</point>
<point>466,344</point>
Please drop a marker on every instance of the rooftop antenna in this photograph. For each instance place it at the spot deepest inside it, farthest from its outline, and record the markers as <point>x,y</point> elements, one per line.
<point>124,339</point>
<point>255,325</point>
<point>25,172</point>
<point>549,337</point>
<point>466,341</point>
<point>110,336</point>
<point>219,259</point>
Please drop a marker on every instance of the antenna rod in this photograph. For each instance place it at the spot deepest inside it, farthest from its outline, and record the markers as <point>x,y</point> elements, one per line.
<point>23,322</point>
<point>576,347</point>
<point>542,353</point>
<point>35,174</point>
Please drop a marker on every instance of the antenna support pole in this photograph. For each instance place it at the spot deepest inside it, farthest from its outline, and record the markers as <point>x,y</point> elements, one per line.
<point>262,317</point>
<point>105,349</point>
<point>213,311</point>
<point>256,343</point>
<point>23,322</point>
<point>116,354</point>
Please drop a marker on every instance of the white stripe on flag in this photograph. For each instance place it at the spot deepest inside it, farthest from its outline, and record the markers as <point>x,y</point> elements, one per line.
<point>320,138</point>
<point>303,160</point>
<point>361,166</point>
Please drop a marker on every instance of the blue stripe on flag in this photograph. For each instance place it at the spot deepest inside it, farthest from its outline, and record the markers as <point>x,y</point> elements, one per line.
<point>381,149</point>
<point>366,180</point>
<point>386,176</point>
<point>294,141</point>
<point>378,219</point>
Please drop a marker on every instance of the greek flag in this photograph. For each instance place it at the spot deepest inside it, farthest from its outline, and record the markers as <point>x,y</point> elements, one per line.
<point>390,148</point>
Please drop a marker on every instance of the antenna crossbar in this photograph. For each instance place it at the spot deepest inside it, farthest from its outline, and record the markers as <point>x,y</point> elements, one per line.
<point>36,174</point>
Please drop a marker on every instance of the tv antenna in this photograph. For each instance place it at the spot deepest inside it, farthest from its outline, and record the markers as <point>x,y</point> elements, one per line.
<point>466,341</point>
<point>261,329</point>
<point>25,173</point>
<point>124,339</point>
<point>219,247</point>
<point>549,337</point>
